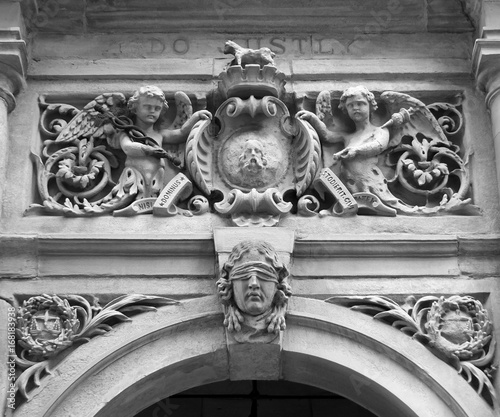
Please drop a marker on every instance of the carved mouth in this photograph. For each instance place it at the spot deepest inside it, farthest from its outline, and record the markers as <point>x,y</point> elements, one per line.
<point>253,295</point>
<point>254,163</point>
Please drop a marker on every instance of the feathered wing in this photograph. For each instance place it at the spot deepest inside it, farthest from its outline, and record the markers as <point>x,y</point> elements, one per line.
<point>94,120</point>
<point>324,106</point>
<point>307,150</point>
<point>420,120</point>
<point>184,110</point>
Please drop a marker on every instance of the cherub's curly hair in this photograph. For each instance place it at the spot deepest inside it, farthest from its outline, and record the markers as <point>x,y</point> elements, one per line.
<point>148,91</point>
<point>225,286</point>
<point>352,91</point>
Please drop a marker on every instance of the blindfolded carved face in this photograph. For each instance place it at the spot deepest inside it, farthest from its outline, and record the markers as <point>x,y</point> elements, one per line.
<point>254,283</point>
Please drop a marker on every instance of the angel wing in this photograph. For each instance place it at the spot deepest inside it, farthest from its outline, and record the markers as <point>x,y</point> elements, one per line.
<point>307,150</point>
<point>324,106</point>
<point>416,119</point>
<point>184,110</point>
<point>94,120</point>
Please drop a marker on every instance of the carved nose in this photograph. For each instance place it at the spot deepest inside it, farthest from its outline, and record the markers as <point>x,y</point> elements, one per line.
<point>253,282</point>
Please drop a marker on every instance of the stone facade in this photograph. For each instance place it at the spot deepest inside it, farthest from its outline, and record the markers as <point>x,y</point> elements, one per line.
<point>140,239</point>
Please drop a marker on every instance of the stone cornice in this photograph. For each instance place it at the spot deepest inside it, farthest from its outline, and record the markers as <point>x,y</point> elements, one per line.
<point>203,244</point>
<point>50,255</point>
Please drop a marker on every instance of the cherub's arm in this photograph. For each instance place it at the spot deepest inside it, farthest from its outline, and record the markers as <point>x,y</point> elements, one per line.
<point>175,136</point>
<point>376,145</point>
<point>137,150</point>
<point>324,134</point>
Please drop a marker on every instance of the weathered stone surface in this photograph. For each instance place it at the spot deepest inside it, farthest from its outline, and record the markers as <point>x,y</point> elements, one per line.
<point>79,53</point>
<point>367,357</point>
<point>200,45</point>
<point>380,15</point>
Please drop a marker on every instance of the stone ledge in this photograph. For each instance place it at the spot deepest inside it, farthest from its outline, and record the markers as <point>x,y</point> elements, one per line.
<point>182,244</point>
<point>208,69</point>
<point>376,245</point>
<point>203,244</point>
<point>194,256</point>
<point>319,69</point>
<point>111,69</point>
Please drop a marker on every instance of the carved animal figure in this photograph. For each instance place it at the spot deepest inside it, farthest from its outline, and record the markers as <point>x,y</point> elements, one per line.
<point>244,56</point>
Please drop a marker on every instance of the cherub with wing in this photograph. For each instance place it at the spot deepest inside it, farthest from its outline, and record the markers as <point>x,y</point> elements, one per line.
<point>145,157</point>
<point>141,137</point>
<point>423,168</point>
<point>359,170</point>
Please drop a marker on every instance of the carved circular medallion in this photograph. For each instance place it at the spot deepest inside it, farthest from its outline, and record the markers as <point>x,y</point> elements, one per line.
<point>253,159</point>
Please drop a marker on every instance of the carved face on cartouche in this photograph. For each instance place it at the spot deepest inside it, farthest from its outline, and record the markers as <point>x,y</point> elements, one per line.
<point>254,283</point>
<point>252,159</point>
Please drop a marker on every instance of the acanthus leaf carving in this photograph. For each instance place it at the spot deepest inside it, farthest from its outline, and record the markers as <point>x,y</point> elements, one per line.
<point>47,325</point>
<point>80,173</point>
<point>406,164</point>
<point>114,158</point>
<point>456,329</point>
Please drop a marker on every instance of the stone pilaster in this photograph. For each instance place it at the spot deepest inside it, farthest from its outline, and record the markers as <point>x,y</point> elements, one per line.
<point>13,64</point>
<point>486,68</point>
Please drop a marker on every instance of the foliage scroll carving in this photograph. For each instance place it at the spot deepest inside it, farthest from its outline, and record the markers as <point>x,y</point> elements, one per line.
<point>253,156</point>
<point>48,325</point>
<point>456,329</point>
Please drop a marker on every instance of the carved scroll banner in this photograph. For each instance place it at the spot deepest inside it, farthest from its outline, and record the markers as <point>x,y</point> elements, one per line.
<point>179,188</point>
<point>370,204</point>
<point>142,206</point>
<point>330,183</point>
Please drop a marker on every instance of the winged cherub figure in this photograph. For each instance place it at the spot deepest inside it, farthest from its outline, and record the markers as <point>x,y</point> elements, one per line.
<point>145,161</point>
<point>359,170</point>
<point>427,174</point>
<point>82,168</point>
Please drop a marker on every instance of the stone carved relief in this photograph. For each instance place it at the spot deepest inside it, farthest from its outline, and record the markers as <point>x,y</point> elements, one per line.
<point>49,324</point>
<point>112,153</point>
<point>407,165</point>
<point>456,329</point>
<point>254,290</point>
<point>256,152</point>
<point>254,160</point>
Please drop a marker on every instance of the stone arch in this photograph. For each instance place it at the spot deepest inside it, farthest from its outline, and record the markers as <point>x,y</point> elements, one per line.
<point>178,347</point>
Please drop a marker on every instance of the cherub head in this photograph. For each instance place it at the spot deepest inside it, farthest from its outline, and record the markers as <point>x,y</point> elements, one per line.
<point>148,104</point>
<point>358,102</point>
<point>253,279</point>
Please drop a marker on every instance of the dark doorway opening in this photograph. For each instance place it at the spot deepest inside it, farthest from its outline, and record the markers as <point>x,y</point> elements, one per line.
<point>255,399</point>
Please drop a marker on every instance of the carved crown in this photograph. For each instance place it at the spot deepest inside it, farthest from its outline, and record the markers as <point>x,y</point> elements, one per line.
<point>253,80</point>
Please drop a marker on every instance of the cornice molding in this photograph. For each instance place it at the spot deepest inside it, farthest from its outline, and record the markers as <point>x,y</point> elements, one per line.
<point>203,245</point>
